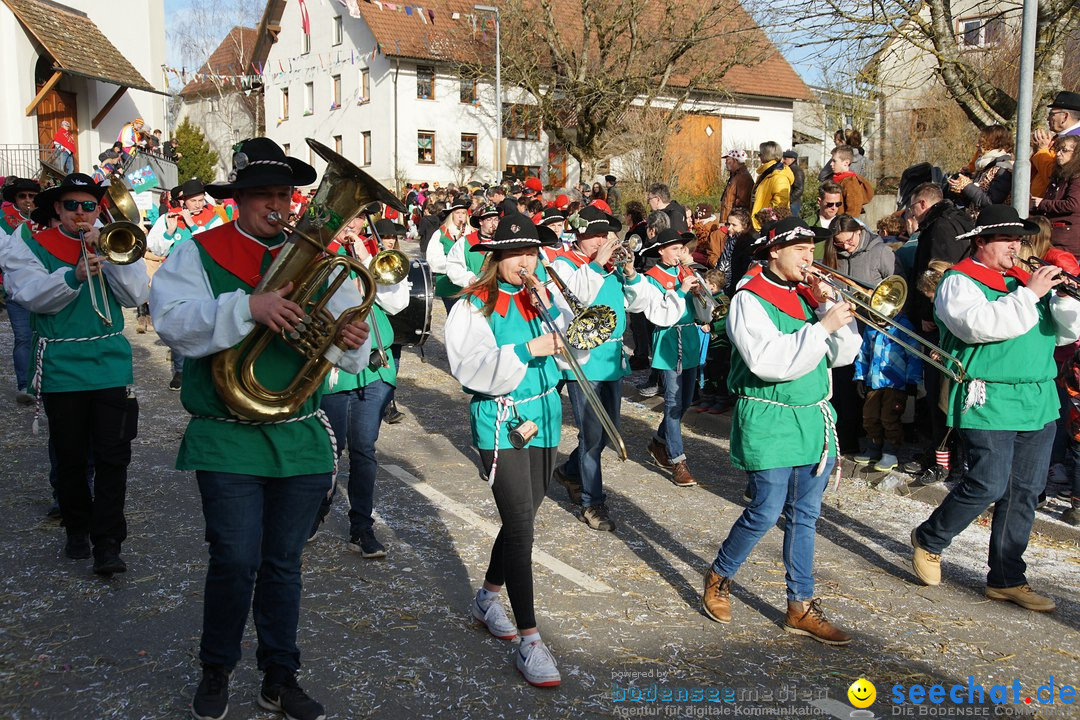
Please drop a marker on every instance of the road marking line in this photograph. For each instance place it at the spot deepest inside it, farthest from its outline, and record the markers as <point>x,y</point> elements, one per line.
<point>462,512</point>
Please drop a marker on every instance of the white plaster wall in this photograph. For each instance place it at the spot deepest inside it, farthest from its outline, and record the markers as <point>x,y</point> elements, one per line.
<point>224,122</point>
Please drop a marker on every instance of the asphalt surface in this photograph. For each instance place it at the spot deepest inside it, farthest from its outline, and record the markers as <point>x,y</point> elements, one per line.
<point>621,611</point>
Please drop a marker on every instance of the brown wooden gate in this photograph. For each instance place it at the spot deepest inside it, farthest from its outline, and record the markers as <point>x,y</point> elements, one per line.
<point>54,108</point>
<point>693,154</point>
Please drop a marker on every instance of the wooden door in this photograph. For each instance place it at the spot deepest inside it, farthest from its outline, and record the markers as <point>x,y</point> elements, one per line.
<point>693,154</point>
<point>556,166</point>
<point>55,107</point>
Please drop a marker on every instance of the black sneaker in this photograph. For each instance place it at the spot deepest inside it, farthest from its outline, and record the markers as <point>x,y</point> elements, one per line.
<point>211,701</point>
<point>367,545</point>
<point>177,381</point>
<point>596,517</point>
<point>573,487</point>
<point>281,693</point>
<point>393,416</point>
<point>54,512</point>
<point>107,560</point>
<point>77,547</point>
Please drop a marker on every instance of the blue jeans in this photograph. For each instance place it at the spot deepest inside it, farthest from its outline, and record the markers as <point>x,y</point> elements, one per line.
<point>1006,469</point>
<point>256,528</point>
<point>20,350</point>
<point>678,394</point>
<point>795,491</point>
<point>356,417</point>
<point>584,463</point>
<point>177,362</point>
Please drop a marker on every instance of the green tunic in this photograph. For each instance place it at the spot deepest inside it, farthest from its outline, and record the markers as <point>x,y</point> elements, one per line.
<point>681,339</point>
<point>764,435</point>
<point>1019,373</point>
<point>606,361</point>
<point>541,376</point>
<point>443,286</point>
<point>265,449</point>
<point>69,363</point>
<point>344,381</point>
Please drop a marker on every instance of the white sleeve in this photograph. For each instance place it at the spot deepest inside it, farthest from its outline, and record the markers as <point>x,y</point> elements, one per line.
<point>476,361</point>
<point>456,268</point>
<point>7,240</point>
<point>129,282</point>
<point>393,298</point>
<point>35,288</point>
<point>584,282</point>
<point>347,296</point>
<point>769,354</point>
<point>662,309</point>
<point>844,344</point>
<point>968,315</point>
<point>1066,313</point>
<point>155,238</point>
<point>435,255</point>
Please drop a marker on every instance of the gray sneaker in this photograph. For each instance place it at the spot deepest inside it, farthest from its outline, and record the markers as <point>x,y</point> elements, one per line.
<point>539,668</point>
<point>596,517</point>
<point>494,619</point>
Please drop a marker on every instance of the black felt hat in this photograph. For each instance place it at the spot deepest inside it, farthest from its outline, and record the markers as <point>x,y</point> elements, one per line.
<point>484,211</point>
<point>665,237</point>
<point>260,162</point>
<point>1065,100</point>
<point>1000,220</point>
<point>462,203</point>
<point>789,230</point>
<point>20,185</point>
<point>75,182</point>
<point>515,232</point>
<point>591,220</point>
<point>188,189</point>
<point>551,215</point>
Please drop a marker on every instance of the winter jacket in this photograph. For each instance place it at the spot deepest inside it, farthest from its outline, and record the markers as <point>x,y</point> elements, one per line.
<point>799,182</point>
<point>677,214</point>
<point>991,185</point>
<point>1061,206</point>
<point>857,191</point>
<point>735,260</point>
<point>858,166</point>
<point>739,192</point>
<point>772,189</point>
<point>614,200</point>
<point>870,263</point>
<point>937,241</point>
<point>885,363</point>
<point>710,241</point>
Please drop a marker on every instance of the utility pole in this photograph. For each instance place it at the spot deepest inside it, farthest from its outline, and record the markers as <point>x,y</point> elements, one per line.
<point>499,166</point>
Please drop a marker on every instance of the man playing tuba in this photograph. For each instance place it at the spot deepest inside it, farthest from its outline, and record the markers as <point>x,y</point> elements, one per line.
<point>261,482</point>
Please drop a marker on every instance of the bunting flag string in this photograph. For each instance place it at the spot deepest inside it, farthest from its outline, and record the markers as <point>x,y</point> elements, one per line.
<point>287,69</point>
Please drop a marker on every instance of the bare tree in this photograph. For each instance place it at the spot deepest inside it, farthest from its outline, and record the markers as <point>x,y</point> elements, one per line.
<point>583,64</point>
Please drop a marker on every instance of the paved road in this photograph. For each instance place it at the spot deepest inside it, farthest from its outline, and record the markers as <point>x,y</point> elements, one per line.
<point>390,639</point>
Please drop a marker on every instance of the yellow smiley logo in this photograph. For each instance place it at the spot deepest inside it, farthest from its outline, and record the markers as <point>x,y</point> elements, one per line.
<point>862,693</point>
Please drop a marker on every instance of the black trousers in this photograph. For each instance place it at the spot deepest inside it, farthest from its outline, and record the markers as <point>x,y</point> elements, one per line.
<point>521,482</point>
<point>105,421</point>
<point>848,406</point>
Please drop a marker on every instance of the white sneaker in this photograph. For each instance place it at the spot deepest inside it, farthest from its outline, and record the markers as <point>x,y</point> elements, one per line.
<point>539,668</point>
<point>494,619</point>
<point>886,463</point>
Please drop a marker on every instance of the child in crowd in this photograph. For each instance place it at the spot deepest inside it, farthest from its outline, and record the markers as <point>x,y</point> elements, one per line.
<point>714,394</point>
<point>856,189</point>
<point>886,373</point>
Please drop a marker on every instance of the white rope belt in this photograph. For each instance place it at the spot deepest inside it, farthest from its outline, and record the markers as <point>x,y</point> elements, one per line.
<point>39,372</point>
<point>830,425</point>
<point>318,413</point>
<point>506,407</point>
<point>678,342</point>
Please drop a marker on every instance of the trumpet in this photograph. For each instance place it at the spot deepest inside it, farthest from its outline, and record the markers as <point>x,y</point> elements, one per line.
<point>389,267</point>
<point>626,251</point>
<point>1070,287</point>
<point>592,325</point>
<point>583,383</point>
<point>705,304</point>
<point>879,305</point>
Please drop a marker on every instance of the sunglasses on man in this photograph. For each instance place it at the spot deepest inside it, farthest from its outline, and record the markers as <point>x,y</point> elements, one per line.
<point>25,195</point>
<point>831,205</point>
<point>73,205</point>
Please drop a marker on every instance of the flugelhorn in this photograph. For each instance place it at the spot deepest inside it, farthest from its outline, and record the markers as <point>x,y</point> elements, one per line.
<point>389,267</point>
<point>879,305</point>
<point>304,261</point>
<point>592,325</point>
<point>1070,287</point>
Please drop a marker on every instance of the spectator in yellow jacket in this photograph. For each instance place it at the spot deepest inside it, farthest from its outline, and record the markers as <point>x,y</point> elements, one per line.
<point>774,179</point>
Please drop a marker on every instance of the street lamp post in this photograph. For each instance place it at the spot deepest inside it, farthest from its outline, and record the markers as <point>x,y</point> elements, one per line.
<point>498,88</point>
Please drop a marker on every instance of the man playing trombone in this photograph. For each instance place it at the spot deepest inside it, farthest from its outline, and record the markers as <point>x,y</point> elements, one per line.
<point>1003,324</point>
<point>783,433</point>
<point>82,363</point>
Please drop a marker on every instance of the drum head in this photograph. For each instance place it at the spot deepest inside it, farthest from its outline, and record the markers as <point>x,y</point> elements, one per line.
<point>412,326</point>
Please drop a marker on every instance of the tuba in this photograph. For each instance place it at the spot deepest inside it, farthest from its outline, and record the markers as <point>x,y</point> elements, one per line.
<point>50,175</point>
<point>304,261</point>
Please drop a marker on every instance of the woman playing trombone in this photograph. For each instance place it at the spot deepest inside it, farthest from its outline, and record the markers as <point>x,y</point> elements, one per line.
<point>501,352</point>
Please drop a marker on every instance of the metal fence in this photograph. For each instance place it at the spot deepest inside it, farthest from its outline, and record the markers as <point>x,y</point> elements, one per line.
<point>23,160</point>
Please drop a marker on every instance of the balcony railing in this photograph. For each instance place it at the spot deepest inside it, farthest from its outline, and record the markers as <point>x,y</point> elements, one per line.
<point>23,160</point>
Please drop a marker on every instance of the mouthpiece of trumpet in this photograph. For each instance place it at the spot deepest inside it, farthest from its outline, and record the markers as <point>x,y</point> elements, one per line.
<point>273,217</point>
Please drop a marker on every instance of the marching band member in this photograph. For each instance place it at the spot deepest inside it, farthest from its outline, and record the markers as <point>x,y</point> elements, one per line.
<point>18,203</point>
<point>501,352</point>
<point>1003,324</point>
<point>261,483</point>
<point>585,268</point>
<point>356,402</point>
<point>783,432</point>
<point>666,301</point>
<point>463,266</point>
<point>442,240</point>
<point>81,364</point>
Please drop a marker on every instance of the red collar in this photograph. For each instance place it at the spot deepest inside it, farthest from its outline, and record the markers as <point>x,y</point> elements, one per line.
<point>60,246</point>
<point>991,279</point>
<point>837,177</point>
<point>665,278</point>
<point>236,251</point>
<point>473,238</point>
<point>522,298</point>
<point>787,300</point>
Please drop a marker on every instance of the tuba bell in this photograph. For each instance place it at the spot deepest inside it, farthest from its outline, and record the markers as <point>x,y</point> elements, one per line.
<point>304,261</point>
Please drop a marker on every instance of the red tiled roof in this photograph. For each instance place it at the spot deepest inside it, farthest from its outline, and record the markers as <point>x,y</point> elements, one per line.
<point>401,33</point>
<point>231,57</point>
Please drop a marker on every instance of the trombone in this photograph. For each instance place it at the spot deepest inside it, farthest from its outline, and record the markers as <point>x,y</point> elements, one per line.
<point>121,242</point>
<point>583,383</point>
<point>880,304</point>
<point>1070,287</point>
<point>592,325</point>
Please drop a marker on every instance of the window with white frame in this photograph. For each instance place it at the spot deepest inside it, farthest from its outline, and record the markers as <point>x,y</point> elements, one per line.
<point>283,111</point>
<point>366,136</point>
<point>365,86</point>
<point>425,82</point>
<point>335,92</point>
<point>425,147</point>
<point>337,30</point>
<point>309,98</point>
<point>980,32</point>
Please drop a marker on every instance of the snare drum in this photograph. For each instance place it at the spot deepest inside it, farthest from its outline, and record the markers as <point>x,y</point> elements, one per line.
<point>412,326</point>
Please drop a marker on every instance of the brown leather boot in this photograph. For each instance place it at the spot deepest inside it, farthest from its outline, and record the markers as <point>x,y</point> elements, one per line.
<point>680,475</point>
<point>659,453</point>
<point>807,618</point>
<point>716,601</point>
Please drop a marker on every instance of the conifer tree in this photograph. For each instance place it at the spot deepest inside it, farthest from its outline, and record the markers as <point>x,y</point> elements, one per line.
<point>197,159</point>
